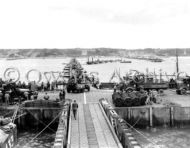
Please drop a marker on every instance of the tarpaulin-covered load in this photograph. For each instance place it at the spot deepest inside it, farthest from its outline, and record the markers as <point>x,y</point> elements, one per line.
<point>127,99</point>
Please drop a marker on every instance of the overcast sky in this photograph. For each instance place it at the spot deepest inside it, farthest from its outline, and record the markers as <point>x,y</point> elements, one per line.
<point>94,23</point>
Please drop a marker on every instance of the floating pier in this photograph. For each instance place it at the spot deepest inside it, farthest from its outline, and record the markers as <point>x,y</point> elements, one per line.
<point>91,129</point>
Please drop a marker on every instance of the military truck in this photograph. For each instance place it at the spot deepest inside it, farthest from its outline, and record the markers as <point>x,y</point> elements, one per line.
<point>136,91</point>
<point>183,86</point>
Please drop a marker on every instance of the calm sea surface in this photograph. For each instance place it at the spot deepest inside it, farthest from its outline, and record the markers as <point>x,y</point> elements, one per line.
<point>105,70</point>
<point>44,140</point>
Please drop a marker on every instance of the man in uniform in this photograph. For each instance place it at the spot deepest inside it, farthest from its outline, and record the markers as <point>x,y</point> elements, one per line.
<point>62,95</point>
<point>74,108</point>
<point>26,95</point>
<point>1,97</point>
<point>46,97</point>
<point>7,98</point>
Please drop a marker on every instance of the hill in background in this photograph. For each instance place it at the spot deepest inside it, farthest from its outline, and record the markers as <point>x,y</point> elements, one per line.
<point>77,52</point>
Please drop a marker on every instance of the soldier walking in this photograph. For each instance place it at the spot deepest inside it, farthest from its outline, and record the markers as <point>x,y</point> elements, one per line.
<point>74,108</point>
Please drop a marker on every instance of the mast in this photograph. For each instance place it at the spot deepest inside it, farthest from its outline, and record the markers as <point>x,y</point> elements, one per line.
<point>177,64</point>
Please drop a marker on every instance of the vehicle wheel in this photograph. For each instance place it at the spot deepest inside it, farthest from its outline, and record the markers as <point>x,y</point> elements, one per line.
<point>178,92</point>
<point>183,91</point>
<point>87,88</point>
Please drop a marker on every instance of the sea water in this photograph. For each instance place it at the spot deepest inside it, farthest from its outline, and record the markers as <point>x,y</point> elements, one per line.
<point>26,139</point>
<point>163,137</point>
<point>105,70</point>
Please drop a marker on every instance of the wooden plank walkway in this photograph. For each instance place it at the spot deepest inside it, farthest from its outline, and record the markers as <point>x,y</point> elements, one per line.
<point>91,130</point>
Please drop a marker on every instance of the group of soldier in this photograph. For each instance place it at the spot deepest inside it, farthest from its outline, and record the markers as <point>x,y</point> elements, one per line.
<point>11,92</point>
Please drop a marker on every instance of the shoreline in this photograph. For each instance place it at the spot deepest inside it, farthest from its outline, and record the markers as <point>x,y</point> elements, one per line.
<point>64,57</point>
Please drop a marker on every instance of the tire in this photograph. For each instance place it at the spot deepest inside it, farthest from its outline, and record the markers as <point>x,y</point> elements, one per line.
<point>88,88</point>
<point>183,91</point>
<point>178,92</point>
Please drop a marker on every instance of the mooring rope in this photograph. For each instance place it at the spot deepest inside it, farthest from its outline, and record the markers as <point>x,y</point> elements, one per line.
<point>132,126</point>
<point>143,135</point>
<point>136,121</point>
<point>8,113</point>
<point>15,113</point>
<point>44,129</point>
<point>41,121</point>
<point>20,116</point>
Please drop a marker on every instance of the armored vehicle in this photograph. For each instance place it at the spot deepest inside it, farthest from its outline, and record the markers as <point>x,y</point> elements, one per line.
<point>77,78</point>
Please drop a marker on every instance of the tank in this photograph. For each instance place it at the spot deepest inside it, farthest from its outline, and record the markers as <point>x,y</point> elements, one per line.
<point>77,78</point>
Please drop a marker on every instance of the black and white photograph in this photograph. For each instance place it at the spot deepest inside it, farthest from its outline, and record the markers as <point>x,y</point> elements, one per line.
<point>94,73</point>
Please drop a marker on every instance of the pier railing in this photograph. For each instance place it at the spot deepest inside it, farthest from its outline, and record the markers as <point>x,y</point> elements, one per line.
<point>61,137</point>
<point>119,126</point>
<point>111,128</point>
<point>69,129</point>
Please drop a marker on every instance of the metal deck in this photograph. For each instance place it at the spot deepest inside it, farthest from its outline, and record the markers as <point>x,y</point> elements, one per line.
<point>91,130</point>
